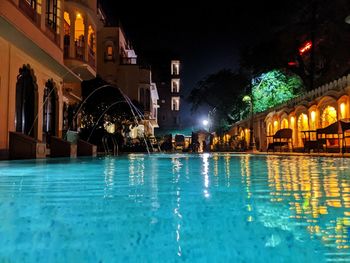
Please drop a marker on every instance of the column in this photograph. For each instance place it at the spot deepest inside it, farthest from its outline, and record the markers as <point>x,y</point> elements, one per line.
<point>59,114</point>
<point>72,18</point>
<point>38,126</point>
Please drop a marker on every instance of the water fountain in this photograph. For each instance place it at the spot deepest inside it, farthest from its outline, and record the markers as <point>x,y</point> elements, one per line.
<point>98,120</point>
<point>134,110</point>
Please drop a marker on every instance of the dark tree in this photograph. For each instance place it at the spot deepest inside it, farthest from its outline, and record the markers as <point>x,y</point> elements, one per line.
<point>319,22</point>
<point>223,93</point>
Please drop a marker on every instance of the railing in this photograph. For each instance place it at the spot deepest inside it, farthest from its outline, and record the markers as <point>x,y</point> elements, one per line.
<point>79,50</point>
<point>91,58</point>
<point>338,84</point>
<point>128,60</point>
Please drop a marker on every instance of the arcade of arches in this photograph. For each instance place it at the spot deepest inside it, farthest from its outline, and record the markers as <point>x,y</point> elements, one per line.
<point>303,118</point>
<point>29,107</point>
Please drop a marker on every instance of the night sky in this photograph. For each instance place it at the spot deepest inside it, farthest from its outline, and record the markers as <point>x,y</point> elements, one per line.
<point>207,37</point>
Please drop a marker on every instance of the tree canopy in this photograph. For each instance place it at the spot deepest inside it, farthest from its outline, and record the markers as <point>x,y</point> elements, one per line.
<point>314,21</point>
<point>275,87</point>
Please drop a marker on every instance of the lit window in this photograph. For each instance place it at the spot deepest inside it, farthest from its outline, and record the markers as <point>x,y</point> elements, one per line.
<point>109,53</point>
<point>32,3</point>
<point>51,14</point>
<point>329,116</point>
<point>175,85</point>
<point>313,120</point>
<point>275,126</point>
<point>342,111</point>
<point>269,129</point>
<point>303,125</point>
<point>175,67</point>
<point>175,103</point>
<point>284,124</point>
<point>292,120</point>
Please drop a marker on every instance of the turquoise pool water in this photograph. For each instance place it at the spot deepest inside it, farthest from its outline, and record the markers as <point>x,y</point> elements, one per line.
<point>175,208</point>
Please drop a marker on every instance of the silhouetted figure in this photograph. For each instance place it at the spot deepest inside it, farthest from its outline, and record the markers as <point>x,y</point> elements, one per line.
<point>167,145</point>
<point>204,144</point>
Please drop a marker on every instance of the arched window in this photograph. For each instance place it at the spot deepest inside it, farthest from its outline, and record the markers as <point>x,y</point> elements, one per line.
<point>109,53</point>
<point>269,129</point>
<point>79,37</point>
<point>175,103</point>
<point>303,125</point>
<point>284,123</point>
<point>66,38</point>
<point>329,116</point>
<point>25,101</point>
<point>51,14</point>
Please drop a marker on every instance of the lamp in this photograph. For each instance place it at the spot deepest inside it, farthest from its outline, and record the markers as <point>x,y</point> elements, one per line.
<point>347,19</point>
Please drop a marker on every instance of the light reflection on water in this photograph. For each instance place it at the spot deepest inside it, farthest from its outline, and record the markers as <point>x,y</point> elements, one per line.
<point>161,208</point>
<point>318,194</point>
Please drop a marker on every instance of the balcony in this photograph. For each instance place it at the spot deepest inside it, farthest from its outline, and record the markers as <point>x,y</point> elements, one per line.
<point>128,60</point>
<point>79,50</point>
<point>81,63</point>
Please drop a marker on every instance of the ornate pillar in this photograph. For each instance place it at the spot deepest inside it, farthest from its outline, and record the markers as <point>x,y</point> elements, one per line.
<point>38,123</point>
<point>59,112</point>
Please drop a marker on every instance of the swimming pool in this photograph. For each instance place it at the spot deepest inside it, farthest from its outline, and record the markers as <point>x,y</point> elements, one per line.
<point>174,208</point>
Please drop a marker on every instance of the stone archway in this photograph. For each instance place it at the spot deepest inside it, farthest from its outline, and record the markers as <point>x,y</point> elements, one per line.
<point>26,98</point>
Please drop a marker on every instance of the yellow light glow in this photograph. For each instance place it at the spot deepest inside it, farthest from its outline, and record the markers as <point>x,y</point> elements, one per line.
<point>284,124</point>
<point>329,116</point>
<point>269,129</point>
<point>66,18</point>
<point>342,110</point>
<point>275,126</point>
<point>79,29</point>
<point>313,116</point>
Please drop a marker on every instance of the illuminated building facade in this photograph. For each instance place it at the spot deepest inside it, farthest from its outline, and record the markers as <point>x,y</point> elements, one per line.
<point>315,109</point>
<point>118,65</point>
<point>47,48</point>
<point>169,96</point>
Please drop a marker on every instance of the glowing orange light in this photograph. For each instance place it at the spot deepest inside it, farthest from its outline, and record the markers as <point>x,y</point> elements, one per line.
<point>292,63</point>
<point>306,47</point>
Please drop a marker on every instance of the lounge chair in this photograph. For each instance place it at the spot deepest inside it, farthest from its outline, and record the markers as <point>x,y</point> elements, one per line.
<point>328,135</point>
<point>280,139</point>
